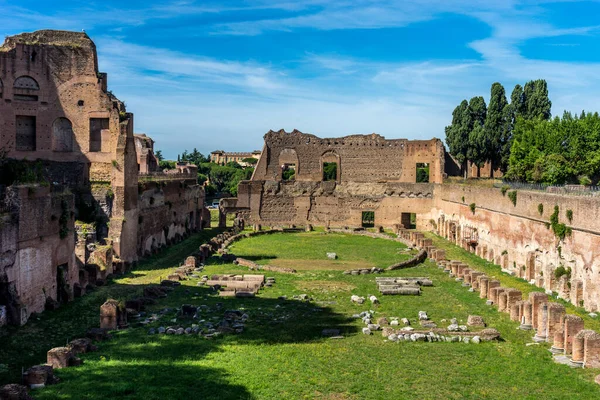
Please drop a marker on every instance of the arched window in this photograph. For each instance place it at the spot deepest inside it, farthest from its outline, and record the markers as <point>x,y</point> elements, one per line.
<point>288,162</point>
<point>330,166</point>
<point>62,135</point>
<point>26,89</point>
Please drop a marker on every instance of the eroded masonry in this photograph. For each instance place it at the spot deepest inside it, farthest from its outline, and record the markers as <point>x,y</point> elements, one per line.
<point>367,181</point>
<point>81,196</point>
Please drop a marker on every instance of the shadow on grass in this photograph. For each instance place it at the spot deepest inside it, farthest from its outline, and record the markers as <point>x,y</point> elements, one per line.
<point>139,380</point>
<point>137,365</point>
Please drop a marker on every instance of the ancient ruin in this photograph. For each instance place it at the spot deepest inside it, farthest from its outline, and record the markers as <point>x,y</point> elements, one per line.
<point>380,183</point>
<point>94,201</point>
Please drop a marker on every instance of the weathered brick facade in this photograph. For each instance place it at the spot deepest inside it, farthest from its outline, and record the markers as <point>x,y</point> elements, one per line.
<point>55,107</point>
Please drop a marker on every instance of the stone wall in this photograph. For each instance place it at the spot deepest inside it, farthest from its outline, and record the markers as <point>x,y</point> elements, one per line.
<point>360,158</point>
<point>332,204</point>
<point>168,212</point>
<point>37,250</point>
<point>519,238</point>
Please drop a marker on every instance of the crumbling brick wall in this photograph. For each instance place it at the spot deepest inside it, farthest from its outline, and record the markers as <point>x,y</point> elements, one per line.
<point>520,239</point>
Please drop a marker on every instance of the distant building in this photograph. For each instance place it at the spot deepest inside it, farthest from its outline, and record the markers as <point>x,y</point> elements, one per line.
<point>222,157</point>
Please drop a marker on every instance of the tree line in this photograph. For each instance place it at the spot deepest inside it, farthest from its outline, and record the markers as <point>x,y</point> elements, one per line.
<point>483,133</point>
<point>522,140</point>
<point>217,179</point>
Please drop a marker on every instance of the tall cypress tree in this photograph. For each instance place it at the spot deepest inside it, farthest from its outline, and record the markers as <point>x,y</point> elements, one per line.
<point>476,151</point>
<point>536,103</point>
<point>457,134</point>
<point>496,125</point>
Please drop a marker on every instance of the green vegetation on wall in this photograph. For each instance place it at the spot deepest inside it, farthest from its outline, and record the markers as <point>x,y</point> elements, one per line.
<point>560,230</point>
<point>512,195</point>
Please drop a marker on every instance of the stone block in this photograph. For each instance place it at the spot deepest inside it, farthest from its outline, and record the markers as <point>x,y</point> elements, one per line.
<point>112,315</point>
<point>60,357</point>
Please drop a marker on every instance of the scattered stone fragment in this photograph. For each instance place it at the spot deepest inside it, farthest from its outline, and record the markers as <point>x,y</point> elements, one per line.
<point>423,316</point>
<point>366,331</point>
<point>475,320</point>
<point>405,321</point>
<point>373,300</point>
<point>382,321</point>
<point>357,299</point>
<point>394,322</point>
<point>332,256</point>
<point>476,339</point>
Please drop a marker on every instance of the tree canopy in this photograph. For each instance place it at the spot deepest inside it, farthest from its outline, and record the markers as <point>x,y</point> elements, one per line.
<point>480,133</point>
<point>562,150</point>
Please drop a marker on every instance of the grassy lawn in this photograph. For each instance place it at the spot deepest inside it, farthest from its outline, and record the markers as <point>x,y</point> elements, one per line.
<point>26,346</point>
<point>282,355</point>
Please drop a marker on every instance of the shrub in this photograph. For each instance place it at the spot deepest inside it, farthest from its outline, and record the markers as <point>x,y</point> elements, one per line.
<point>560,271</point>
<point>570,215</point>
<point>472,207</point>
<point>463,199</point>
<point>512,195</point>
<point>560,230</point>
<point>584,180</point>
<point>503,189</point>
<point>541,208</point>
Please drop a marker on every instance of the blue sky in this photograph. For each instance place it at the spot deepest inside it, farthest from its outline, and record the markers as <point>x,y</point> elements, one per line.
<point>219,74</point>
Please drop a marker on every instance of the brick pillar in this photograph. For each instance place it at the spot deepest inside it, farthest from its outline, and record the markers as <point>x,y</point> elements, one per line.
<point>491,285</point>
<point>536,298</point>
<point>484,283</point>
<point>571,326</point>
<point>555,314</point>
<point>526,316</point>
<point>591,358</point>
<point>515,311</point>
<point>475,279</point>
<point>494,294</point>
<point>542,323</point>
<point>577,349</point>
<point>512,297</point>
<point>559,341</point>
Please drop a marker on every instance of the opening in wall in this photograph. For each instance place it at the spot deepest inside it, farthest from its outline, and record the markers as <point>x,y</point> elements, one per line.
<point>26,133</point>
<point>97,125</point>
<point>288,172</point>
<point>62,286</point>
<point>329,171</point>
<point>422,173</point>
<point>408,220</point>
<point>368,219</point>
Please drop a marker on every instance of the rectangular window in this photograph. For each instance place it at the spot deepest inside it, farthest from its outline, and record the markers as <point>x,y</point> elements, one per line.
<point>408,220</point>
<point>368,219</point>
<point>330,171</point>
<point>97,125</point>
<point>422,173</point>
<point>288,172</point>
<point>26,133</point>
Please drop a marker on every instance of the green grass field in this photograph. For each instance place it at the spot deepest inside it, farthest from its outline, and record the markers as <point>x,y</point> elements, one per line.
<point>282,355</point>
